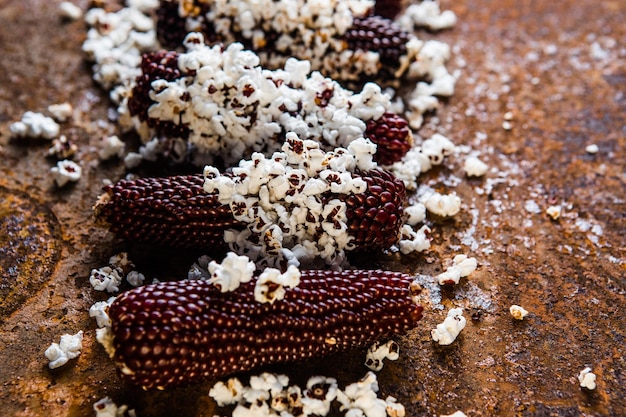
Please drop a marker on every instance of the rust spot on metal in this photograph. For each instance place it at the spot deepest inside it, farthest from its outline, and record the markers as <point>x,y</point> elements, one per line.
<point>30,247</point>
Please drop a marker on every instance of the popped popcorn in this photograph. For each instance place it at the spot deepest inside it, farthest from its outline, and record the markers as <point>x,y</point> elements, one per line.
<point>455,414</point>
<point>227,393</point>
<point>70,11</point>
<point>461,267</point>
<point>66,171</point>
<point>105,279</point>
<point>447,332</point>
<point>518,312</point>
<point>135,278</point>
<point>111,146</point>
<point>414,241</point>
<point>379,351</point>
<point>61,112</point>
<point>233,270</point>
<point>427,14</point>
<point>35,125</point>
<point>444,205</point>
<point>474,167</point>
<point>99,311</point>
<point>105,407</point>
<point>360,398</point>
<point>587,379</point>
<point>69,348</point>
<point>270,285</point>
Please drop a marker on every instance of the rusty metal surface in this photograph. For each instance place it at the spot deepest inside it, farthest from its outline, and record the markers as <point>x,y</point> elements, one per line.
<point>557,68</point>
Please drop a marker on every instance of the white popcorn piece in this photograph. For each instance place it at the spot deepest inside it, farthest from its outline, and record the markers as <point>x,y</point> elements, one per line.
<point>121,261</point>
<point>455,414</point>
<point>426,14</point>
<point>554,212</point>
<point>518,312</point>
<point>379,351</point>
<point>99,311</point>
<point>461,267</point>
<point>35,125</point>
<point>447,332</point>
<point>587,379</point>
<point>474,167</point>
<point>270,286</point>
<point>592,149</point>
<point>233,271</point>
<point>111,146</point>
<point>105,279</point>
<point>61,112</point>
<point>66,171</point>
<point>227,393</point>
<point>444,205</point>
<point>421,159</point>
<point>106,407</point>
<point>414,241</point>
<point>70,11</point>
<point>69,348</point>
<point>135,278</point>
<point>317,398</point>
<point>416,213</point>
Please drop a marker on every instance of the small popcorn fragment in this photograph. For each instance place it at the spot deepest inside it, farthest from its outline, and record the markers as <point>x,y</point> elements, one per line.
<point>35,125</point>
<point>554,212</point>
<point>69,348</point>
<point>179,332</point>
<point>518,312</point>
<point>70,11</point>
<point>461,267</point>
<point>122,262</point>
<point>62,148</point>
<point>587,379</point>
<point>474,167</point>
<point>111,146</point>
<point>66,171</point>
<point>592,149</point>
<point>106,279</point>
<point>444,205</point>
<point>135,278</point>
<point>61,112</point>
<point>447,332</point>
<point>379,351</point>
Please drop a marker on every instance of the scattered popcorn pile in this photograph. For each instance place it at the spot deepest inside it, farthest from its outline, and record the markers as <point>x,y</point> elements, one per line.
<point>109,278</point>
<point>271,395</point>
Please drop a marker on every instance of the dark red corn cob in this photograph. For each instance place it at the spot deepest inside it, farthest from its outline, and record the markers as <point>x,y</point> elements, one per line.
<point>161,65</point>
<point>392,136</point>
<point>181,332</point>
<point>173,211</point>
<point>176,212</point>
<point>378,34</point>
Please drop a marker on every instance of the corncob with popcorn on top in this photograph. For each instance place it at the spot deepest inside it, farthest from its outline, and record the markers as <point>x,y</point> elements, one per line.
<point>300,204</point>
<point>174,333</point>
<point>345,40</point>
<point>226,106</point>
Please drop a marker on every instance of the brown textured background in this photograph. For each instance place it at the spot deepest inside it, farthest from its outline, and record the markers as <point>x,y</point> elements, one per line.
<point>535,59</point>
